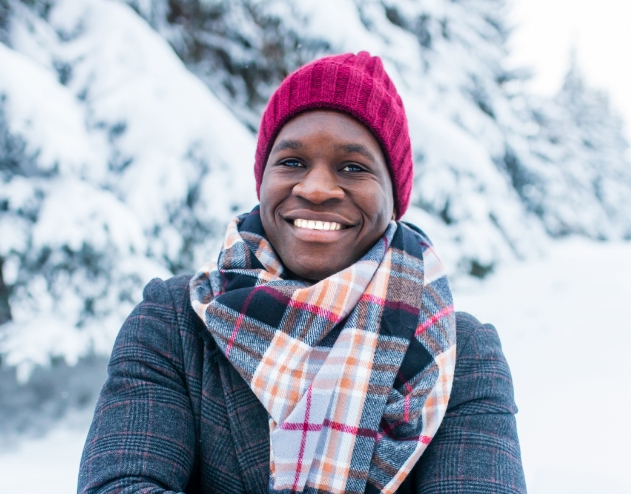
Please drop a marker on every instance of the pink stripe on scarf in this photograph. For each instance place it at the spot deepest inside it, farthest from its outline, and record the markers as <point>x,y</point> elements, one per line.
<point>349,429</point>
<point>303,441</point>
<point>432,320</point>
<point>239,320</point>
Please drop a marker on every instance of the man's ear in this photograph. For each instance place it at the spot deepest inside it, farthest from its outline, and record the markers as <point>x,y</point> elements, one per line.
<point>394,214</point>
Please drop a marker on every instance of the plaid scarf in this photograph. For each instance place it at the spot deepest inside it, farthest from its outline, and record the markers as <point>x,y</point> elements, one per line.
<point>355,370</point>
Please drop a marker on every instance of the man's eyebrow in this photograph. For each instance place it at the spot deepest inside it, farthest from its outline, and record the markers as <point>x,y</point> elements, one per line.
<point>356,148</point>
<point>287,144</point>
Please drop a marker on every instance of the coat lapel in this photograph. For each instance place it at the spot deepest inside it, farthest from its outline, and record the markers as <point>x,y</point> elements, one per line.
<point>250,428</point>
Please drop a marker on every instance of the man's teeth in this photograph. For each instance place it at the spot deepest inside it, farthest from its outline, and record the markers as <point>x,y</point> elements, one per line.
<point>317,225</point>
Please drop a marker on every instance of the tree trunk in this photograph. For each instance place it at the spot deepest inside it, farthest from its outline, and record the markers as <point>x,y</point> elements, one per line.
<point>5,309</point>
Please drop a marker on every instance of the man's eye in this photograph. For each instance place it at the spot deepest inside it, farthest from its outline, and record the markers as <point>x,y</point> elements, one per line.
<point>292,163</point>
<point>352,168</point>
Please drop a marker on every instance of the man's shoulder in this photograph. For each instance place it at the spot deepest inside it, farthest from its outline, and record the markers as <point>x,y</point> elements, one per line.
<point>466,326</point>
<point>174,290</point>
<point>471,333</point>
<point>482,374</point>
<point>178,284</point>
<point>175,293</point>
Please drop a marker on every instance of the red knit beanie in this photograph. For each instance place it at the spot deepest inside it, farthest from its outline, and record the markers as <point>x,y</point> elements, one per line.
<point>354,84</point>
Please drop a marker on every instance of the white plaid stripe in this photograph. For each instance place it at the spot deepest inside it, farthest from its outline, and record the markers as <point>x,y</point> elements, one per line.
<point>341,383</point>
<point>268,258</point>
<point>434,269</point>
<point>282,369</point>
<point>354,279</point>
<point>379,284</point>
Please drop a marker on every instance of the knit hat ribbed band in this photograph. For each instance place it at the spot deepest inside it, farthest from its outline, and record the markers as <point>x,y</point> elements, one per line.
<point>354,84</point>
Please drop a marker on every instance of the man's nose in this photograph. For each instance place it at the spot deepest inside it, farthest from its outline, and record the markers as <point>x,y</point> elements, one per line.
<point>319,184</point>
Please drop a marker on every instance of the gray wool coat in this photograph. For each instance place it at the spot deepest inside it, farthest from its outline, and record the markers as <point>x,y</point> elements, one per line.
<point>175,417</point>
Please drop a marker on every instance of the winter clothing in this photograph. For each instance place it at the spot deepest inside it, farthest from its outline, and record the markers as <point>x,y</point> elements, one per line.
<point>175,416</point>
<point>351,384</point>
<point>355,370</point>
<point>354,84</point>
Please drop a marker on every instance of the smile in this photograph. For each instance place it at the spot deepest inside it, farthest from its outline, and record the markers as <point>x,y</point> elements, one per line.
<point>317,225</point>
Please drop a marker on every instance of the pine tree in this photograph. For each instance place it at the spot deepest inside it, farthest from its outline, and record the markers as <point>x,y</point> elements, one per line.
<point>448,62</point>
<point>241,50</point>
<point>111,175</point>
<point>583,163</point>
<point>120,161</point>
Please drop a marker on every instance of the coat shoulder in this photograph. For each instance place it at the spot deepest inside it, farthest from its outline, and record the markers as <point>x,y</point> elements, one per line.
<point>482,378</point>
<point>466,324</point>
<point>175,291</point>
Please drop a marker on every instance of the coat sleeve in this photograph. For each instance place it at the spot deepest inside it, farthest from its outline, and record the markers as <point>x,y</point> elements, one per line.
<point>476,448</point>
<point>142,438</point>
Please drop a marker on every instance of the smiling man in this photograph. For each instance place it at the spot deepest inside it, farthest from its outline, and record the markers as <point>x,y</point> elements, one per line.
<point>321,352</point>
<point>326,193</point>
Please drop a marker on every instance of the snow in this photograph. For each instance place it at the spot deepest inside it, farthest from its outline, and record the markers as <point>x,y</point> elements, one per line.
<point>48,464</point>
<point>455,145</point>
<point>131,168</point>
<point>127,144</point>
<point>547,31</point>
<point>129,151</point>
<point>132,75</point>
<point>565,331</point>
<point>44,113</point>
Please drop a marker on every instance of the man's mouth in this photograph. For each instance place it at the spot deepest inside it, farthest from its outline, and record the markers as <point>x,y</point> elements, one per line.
<point>317,225</point>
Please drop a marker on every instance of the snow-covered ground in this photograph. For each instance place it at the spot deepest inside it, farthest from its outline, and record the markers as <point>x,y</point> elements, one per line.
<point>46,465</point>
<point>566,330</point>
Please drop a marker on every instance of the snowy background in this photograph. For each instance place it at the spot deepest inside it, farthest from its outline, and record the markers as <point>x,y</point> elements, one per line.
<point>127,135</point>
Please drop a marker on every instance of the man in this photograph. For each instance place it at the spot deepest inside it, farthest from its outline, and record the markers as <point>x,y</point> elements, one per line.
<point>318,354</point>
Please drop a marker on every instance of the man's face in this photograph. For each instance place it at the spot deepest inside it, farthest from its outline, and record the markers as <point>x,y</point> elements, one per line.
<point>326,194</point>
